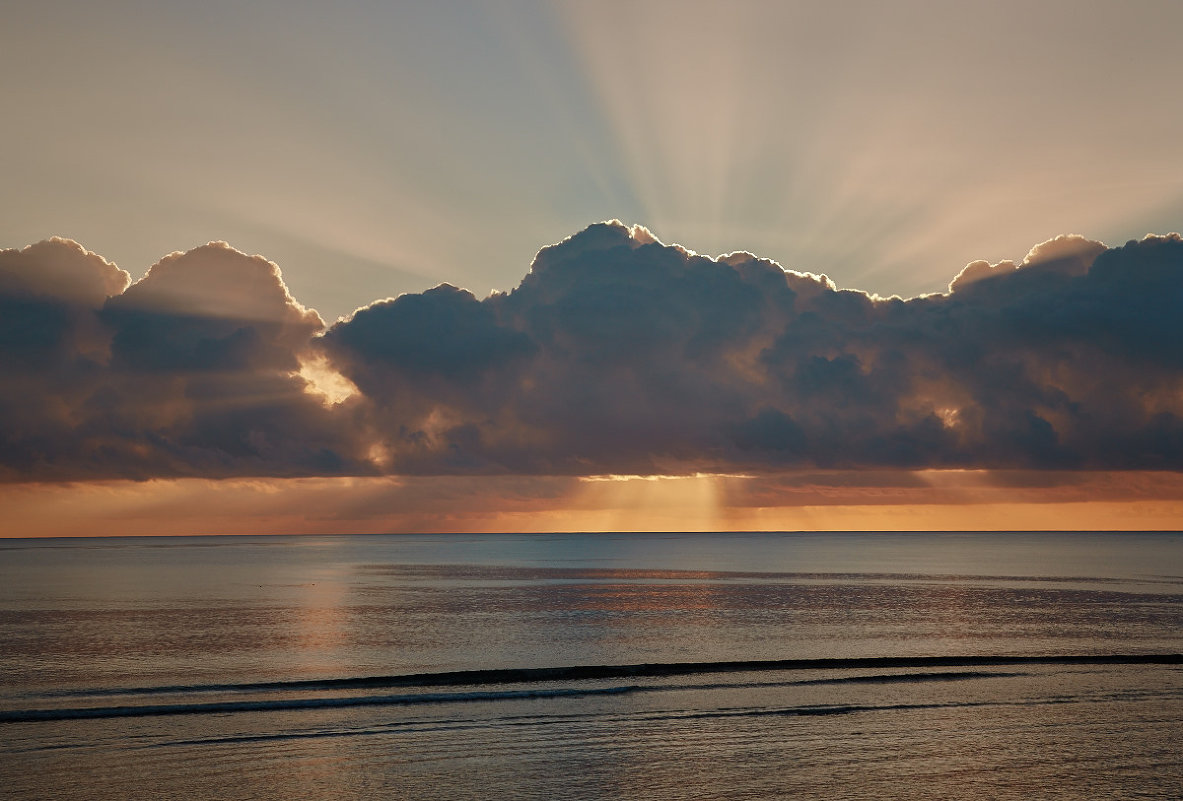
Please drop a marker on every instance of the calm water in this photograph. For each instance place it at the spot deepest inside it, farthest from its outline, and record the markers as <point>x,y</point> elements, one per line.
<point>212,668</point>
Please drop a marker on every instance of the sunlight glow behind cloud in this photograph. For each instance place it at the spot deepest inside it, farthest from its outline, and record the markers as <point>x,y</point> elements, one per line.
<point>616,355</point>
<point>374,150</point>
<point>864,139</point>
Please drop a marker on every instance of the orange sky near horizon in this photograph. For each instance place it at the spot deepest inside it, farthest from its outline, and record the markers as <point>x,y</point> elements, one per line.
<point>941,501</point>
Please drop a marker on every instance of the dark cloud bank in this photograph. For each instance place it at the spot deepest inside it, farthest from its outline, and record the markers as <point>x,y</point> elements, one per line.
<point>616,354</point>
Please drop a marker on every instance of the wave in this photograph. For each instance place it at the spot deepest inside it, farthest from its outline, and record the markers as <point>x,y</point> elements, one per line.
<point>455,678</point>
<point>494,677</point>
<point>907,678</point>
<point>262,705</point>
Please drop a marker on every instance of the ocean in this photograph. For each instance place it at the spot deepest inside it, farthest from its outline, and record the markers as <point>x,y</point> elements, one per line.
<point>593,666</point>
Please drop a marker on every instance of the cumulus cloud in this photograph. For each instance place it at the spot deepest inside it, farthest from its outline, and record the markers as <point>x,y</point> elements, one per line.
<point>1069,254</point>
<point>210,309</point>
<point>192,370</point>
<point>617,354</point>
<point>609,357</point>
<point>62,270</point>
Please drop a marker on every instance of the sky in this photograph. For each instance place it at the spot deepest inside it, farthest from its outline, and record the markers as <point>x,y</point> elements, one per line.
<point>873,268</point>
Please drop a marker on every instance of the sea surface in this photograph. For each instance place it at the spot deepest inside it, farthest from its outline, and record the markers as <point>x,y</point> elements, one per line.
<point>593,666</point>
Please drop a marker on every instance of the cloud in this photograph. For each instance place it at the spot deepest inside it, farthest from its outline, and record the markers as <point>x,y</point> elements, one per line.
<point>192,370</point>
<point>212,309</point>
<point>617,354</point>
<point>1069,254</point>
<point>609,357</point>
<point>62,270</point>
<point>50,294</point>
